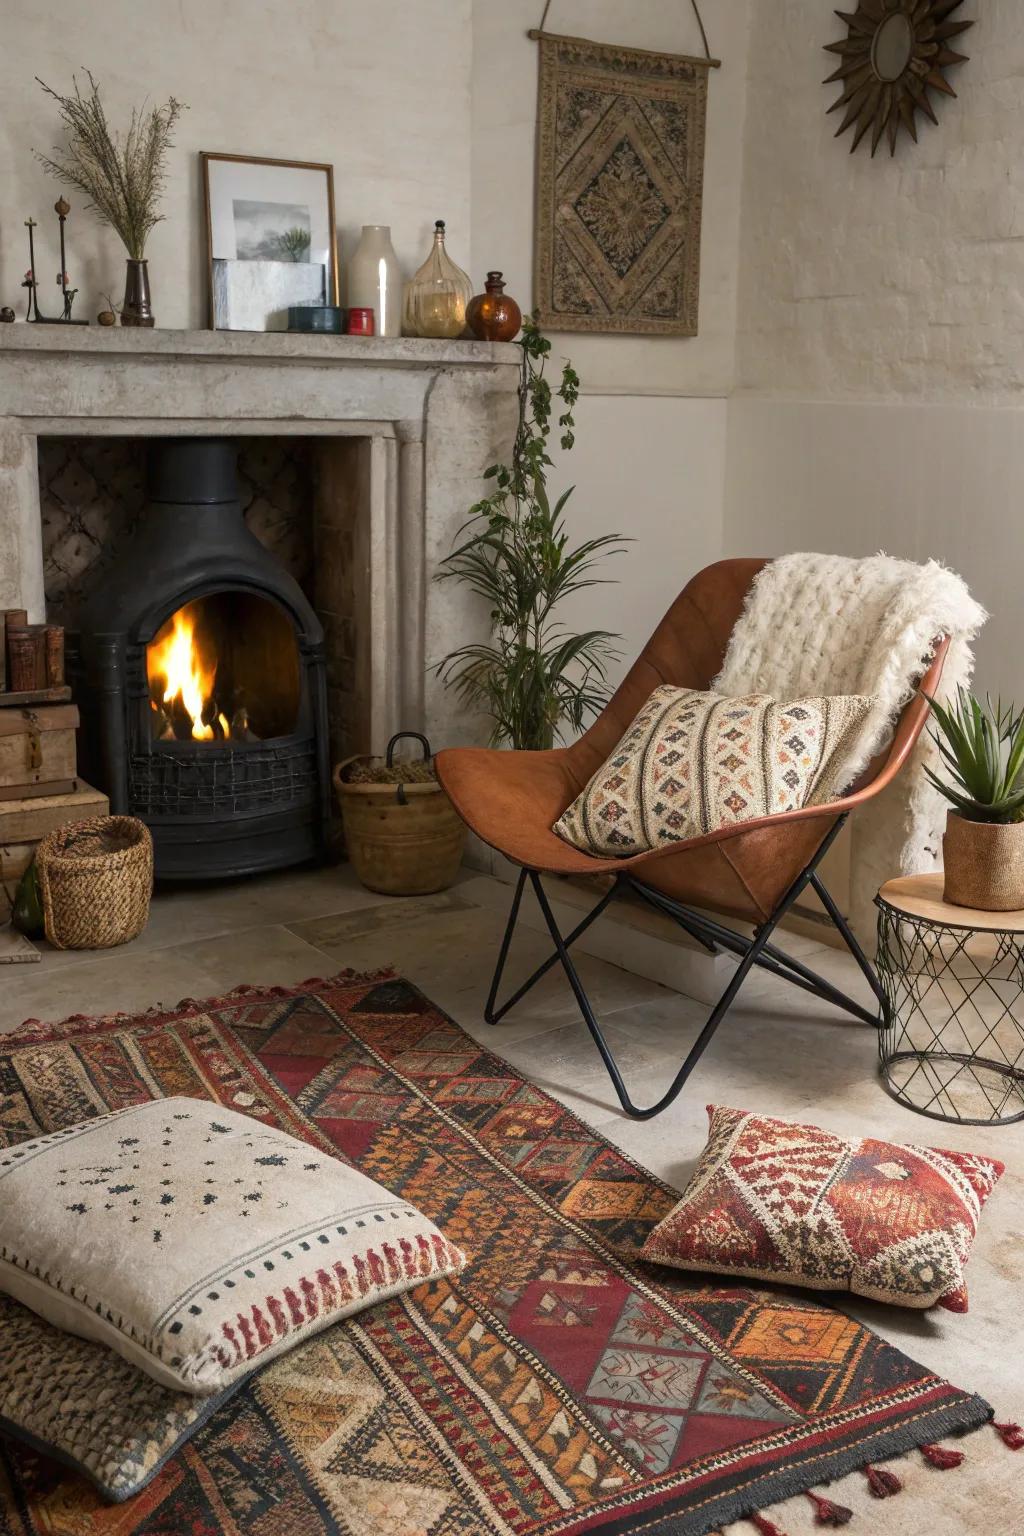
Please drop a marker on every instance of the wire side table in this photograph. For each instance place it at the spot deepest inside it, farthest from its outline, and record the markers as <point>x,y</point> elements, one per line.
<point>951,1043</point>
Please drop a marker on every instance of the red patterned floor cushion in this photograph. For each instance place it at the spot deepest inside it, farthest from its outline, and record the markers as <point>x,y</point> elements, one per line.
<point>777,1201</point>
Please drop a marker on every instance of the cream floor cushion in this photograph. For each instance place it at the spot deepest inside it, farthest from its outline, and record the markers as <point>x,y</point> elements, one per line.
<point>199,1243</point>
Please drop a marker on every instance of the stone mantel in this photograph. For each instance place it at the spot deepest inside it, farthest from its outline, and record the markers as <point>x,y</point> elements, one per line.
<point>97,341</point>
<point>429,415</point>
<point>61,372</point>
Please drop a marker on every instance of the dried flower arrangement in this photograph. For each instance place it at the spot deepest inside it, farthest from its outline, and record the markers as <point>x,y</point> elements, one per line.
<point>123,178</point>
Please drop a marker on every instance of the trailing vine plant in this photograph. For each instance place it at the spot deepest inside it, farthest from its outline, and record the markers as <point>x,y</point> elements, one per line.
<point>534,677</point>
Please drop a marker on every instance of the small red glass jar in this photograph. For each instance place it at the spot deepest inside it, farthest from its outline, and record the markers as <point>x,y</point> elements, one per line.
<point>360,322</point>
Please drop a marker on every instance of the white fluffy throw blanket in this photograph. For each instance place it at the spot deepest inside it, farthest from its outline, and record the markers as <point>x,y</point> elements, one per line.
<point>826,624</point>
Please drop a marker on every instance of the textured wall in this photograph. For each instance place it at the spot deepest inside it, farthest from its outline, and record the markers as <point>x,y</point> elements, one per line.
<point>880,354</point>
<point>891,279</point>
<point>380,90</point>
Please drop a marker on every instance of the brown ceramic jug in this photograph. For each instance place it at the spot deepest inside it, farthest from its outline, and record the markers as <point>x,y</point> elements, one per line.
<point>492,315</point>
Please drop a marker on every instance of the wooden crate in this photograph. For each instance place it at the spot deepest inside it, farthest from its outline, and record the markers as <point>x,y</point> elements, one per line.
<point>24,822</point>
<point>37,751</point>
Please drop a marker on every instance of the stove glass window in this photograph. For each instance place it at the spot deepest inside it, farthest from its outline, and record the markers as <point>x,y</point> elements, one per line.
<point>224,668</point>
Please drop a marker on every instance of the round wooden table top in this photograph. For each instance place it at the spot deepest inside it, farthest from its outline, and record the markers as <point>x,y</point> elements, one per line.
<point>921,896</point>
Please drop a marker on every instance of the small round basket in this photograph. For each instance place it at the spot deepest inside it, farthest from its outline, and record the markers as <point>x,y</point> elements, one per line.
<point>402,834</point>
<point>95,879</point>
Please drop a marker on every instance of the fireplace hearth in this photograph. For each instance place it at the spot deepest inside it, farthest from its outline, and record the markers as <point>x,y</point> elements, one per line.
<point>199,670</point>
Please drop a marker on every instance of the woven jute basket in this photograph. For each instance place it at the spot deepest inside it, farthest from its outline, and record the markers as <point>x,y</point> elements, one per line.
<point>95,879</point>
<point>403,836</point>
<point>984,864</point>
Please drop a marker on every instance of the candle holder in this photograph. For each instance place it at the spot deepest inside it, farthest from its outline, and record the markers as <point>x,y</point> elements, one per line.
<point>32,311</point>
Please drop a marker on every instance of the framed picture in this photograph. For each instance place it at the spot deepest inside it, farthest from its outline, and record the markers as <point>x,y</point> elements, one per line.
<point>271,239</point>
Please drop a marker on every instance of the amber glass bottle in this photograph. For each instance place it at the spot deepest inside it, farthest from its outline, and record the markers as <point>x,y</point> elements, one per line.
<point>493,315</point>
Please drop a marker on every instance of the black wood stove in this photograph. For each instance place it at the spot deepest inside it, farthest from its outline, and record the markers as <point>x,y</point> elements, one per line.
<point>199,670</point>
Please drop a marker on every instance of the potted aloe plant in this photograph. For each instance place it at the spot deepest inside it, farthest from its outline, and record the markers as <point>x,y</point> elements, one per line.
<point>982,746</point>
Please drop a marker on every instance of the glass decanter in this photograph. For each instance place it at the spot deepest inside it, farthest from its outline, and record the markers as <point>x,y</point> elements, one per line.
<point>435,298</point>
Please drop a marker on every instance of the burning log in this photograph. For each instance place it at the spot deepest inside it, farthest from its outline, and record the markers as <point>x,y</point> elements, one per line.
<point>241,730</point>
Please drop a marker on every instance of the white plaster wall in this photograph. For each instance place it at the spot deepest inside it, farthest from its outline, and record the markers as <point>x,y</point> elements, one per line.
<point>654,470</point>
<point>880,349</point>
<point>381,90</point>
<point>649,454</point>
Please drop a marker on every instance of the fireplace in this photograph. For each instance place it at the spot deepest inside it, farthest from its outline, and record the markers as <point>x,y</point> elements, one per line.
<point>199,669</point>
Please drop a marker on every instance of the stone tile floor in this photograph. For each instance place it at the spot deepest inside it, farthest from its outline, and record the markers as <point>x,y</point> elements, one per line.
<point>779,1051</point>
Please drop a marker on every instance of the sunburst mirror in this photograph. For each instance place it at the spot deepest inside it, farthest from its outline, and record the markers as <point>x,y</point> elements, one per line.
<point>894,53</point>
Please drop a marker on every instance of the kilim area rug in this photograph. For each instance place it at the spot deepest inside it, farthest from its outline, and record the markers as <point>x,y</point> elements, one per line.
<point>556,1387</point>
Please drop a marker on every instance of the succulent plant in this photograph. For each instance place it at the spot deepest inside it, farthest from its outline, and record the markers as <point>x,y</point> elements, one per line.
<point>982,746</point>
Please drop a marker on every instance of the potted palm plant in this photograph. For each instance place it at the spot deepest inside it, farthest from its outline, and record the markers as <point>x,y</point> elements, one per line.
<point>534,676</point>
<point>982,747</point>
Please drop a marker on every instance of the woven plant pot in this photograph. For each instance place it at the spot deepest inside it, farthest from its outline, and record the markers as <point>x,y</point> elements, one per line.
<point>403,839</point>
<point>983,864</point>
<point>96,878</point>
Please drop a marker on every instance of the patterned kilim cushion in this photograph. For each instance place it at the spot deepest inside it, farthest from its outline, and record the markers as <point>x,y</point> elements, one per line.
<point>552,1388</point>
<point>232,1240</point>
<point>777,1201</point>
<point>693,762</point>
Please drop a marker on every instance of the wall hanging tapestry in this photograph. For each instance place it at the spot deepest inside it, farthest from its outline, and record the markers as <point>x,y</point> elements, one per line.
<point>556,1387</point>
<point>620,169</point>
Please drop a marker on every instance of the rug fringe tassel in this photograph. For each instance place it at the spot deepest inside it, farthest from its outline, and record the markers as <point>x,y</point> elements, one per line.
<point>765,1526</point>
<point>1010,1434</point>
<point>940,1457</point>
<point>883,1484</point>
<point>827,1512</point>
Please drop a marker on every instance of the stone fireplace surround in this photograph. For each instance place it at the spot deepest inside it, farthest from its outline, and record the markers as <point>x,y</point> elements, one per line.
<point>398,434</point>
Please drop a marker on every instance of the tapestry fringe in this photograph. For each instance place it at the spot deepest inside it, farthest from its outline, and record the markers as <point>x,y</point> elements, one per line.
<point>765,1526</point>
<point>939,1457</point>
<point>883,1483</point>
<point>826,1512</point>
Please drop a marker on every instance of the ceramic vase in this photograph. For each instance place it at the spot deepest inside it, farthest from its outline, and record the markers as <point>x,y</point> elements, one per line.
<point>375,279</point>
<point>137,308</point>
<point>493,315</point>
<point>436,298</point>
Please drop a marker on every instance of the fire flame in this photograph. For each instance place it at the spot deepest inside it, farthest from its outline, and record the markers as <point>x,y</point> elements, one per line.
<point>176,669</point>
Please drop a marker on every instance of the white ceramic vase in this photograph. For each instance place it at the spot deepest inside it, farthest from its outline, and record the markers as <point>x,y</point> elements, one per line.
<point>375,279</point>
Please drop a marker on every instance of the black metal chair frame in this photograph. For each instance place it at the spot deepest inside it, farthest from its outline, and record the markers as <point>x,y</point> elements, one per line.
<point>714,937</point>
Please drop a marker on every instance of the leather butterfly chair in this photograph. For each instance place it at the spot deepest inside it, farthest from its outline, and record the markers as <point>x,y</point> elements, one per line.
<point>752,870</point>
